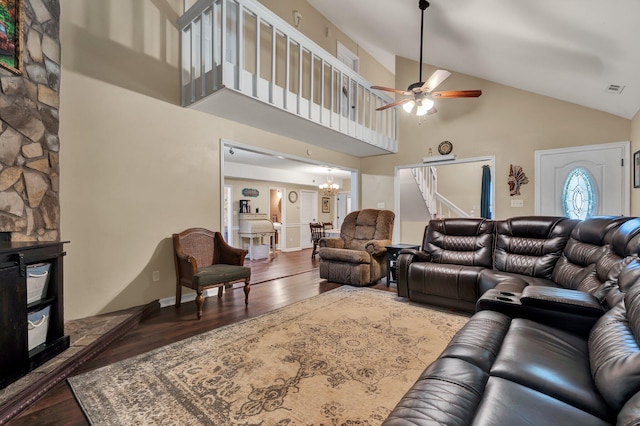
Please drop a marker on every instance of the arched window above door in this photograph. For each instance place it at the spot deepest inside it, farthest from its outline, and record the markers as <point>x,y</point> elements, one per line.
<point>579,195</point>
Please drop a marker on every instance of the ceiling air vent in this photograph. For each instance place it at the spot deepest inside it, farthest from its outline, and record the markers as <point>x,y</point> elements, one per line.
<point>614,88</point>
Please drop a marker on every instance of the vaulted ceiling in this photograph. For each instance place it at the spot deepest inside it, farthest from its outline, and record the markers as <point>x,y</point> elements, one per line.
<point>571,50</point>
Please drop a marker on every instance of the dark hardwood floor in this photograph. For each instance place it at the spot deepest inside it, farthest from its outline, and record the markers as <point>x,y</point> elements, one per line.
<point>288,278</point>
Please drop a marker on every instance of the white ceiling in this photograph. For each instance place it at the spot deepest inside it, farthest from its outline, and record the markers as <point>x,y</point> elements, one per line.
<point>567,49</point>
<point>271,161</point>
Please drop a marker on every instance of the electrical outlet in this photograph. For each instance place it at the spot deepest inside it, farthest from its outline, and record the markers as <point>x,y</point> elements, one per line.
<point>155,276</point>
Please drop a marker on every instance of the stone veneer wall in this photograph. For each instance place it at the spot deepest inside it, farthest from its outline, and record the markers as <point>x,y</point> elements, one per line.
<point>29,141</point>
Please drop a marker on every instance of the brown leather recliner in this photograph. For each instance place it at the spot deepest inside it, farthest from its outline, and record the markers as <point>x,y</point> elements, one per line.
<point>445,271</point>
<point>358,256</point>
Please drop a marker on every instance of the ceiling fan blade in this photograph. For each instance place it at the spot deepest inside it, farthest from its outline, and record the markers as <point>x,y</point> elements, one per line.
<point>436,78</point>
<point>457,94</point>
<point>389,89</point>
<point>433,110</point>
<point>392,104</point>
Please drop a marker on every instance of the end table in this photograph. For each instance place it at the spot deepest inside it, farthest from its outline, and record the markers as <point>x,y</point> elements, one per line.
<point>392,259</point>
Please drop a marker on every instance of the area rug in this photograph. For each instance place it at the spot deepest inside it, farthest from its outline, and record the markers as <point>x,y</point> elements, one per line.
<point>345,357</point>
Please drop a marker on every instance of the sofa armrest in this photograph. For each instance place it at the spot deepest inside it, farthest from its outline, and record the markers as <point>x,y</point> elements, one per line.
<point>405,258</point>
<point>377,247</point>
<point>562,299</point>
<point>332,242</point>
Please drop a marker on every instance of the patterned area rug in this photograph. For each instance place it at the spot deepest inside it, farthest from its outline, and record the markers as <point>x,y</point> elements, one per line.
<point>344,357</point>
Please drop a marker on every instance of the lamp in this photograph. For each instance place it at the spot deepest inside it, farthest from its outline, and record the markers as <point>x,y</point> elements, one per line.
<point>329,189</point>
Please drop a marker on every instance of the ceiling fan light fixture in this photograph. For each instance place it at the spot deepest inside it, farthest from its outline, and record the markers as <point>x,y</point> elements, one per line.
<point>408,106</point>
<point>423,107</point>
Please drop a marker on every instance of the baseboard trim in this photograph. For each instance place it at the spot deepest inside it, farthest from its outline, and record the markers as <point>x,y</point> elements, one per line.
<point>20,401</point>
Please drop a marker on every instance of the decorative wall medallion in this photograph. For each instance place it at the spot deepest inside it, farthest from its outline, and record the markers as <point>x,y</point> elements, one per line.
<point>516,178</point>
<point>250,192</point>
<point>293,196</point>
<point>445,148</point>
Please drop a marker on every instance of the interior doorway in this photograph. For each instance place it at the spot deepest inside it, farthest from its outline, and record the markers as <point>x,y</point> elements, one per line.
<point>583,181</point>
<point>277,213</point>
<point>308,214</point>
<point>461,185</point>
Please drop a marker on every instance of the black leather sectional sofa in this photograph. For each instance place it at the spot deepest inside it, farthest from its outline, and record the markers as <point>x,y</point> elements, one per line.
<point>556,338</point>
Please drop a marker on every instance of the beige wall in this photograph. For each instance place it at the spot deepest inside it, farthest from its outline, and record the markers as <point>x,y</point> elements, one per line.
<point>135,166</point>
<point>460,184</point>
<point>506,122</point>
<point>635,146</point>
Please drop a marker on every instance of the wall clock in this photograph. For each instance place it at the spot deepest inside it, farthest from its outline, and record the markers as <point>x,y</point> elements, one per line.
<point>445,147</point>
<point>293,196</point>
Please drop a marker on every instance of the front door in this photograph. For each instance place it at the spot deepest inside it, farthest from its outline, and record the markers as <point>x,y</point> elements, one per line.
<point>583,181</point>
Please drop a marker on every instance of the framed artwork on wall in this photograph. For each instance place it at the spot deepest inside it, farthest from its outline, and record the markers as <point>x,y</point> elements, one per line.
<point>326,204</point>
<point>11,21</point>
<point>636,169</point>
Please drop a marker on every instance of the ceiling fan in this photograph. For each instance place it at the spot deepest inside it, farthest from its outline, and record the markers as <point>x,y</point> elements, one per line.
<point>422,92</point>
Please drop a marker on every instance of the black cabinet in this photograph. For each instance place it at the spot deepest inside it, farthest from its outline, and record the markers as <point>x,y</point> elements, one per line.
<point>15,357</point>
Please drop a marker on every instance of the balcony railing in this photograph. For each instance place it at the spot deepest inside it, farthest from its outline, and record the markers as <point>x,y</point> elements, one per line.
<point>243,46</point>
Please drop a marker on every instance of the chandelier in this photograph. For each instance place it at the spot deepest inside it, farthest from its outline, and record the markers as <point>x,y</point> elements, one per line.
<point>329,189</point>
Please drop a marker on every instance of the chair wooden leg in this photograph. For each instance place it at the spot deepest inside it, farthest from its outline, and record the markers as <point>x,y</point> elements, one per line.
<point>247,289</point>
<point>178,295</point>
<point>220,291</point>
<point>199,303</point>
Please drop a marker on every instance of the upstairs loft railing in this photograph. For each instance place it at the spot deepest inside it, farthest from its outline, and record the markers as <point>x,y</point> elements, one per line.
<point>243,46</point>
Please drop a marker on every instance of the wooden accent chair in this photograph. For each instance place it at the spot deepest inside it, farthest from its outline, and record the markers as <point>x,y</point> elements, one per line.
<point>317,232</point>
<point>205,260</point>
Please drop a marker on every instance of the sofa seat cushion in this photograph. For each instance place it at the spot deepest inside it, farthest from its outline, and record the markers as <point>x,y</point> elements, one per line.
<point>220,273</point>
<point>550,361</point>
<point>508,403</point>
<point>446,280</point>
<point>344,255</point>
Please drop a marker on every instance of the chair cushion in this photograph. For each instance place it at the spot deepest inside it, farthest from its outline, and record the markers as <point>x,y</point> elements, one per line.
<point>344,255</point>
<point>220,273</point>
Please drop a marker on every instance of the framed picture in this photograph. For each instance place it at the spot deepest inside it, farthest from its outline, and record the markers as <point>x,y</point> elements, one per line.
<point>636,169</point>
<point>326,205</point>
<point>11,20</point>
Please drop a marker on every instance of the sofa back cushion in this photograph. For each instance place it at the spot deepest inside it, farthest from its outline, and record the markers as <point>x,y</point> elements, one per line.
<point>462,241</point>
<point>584,247</point>
<point>360,227</point>
<point>614,352</point>
<point>531,245</point>
<point>623,246</point>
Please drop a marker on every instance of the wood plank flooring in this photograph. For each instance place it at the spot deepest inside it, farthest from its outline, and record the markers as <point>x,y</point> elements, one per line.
<point>288,278</point>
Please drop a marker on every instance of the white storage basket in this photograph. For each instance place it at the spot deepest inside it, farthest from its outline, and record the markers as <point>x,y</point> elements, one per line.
<point>260,251</point>
<point>37,279</point>
<point>38,325</point>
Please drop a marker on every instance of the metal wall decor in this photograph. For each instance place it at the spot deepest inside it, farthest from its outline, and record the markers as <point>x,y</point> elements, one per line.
<point>516,179</point>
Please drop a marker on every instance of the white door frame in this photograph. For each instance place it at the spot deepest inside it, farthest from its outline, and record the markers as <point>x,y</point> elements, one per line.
<point>626,170</point>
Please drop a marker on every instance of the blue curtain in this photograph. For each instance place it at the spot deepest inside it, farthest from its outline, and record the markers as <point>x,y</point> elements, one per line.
<point>485,193</point>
